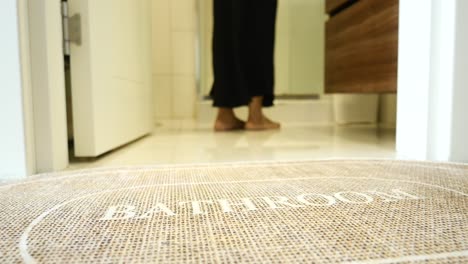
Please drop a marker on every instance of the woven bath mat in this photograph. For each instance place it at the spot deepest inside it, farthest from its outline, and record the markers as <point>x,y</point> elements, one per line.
<point>340,211</point>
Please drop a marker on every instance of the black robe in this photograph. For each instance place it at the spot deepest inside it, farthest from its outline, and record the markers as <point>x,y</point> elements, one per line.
<point>243,51</point>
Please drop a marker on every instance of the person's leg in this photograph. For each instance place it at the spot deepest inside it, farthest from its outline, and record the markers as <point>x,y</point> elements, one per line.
<point>229,89</point>
<point>259,61</point>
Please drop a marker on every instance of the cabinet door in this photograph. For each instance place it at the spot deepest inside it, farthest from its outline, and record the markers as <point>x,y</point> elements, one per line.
<point>111,74</point>
<point>361,49</point>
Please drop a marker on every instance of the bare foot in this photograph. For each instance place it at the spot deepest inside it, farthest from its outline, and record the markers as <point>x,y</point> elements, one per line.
<point>227,120</point>
<point>257,120</point>
<point>262,124</point>
<point>224,125</point>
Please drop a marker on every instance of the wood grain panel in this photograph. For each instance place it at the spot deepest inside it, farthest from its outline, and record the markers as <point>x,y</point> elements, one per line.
<point>362,48</point>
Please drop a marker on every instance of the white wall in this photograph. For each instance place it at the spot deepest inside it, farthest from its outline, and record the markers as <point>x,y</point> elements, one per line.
<point>300,47</point>
<point>48,78</point>
<point>13,155</point>
<point>174,52</point>
<point>459,144</point>
<point>432,122</point>
<point>32,95</point>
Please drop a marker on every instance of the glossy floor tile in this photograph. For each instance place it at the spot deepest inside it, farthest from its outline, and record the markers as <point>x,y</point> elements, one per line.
<point>176,142</point>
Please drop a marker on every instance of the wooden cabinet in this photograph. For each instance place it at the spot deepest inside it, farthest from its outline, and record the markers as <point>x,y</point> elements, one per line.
<point>361,49</point>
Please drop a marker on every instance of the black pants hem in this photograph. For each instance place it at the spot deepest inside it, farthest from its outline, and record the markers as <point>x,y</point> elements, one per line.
<point>230,103</point>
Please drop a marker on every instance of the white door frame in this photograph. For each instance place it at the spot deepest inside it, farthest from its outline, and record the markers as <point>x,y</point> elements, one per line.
<point>16,145</point>
<point>48,85</point>
<point>418,101</point>
<point>40,142</point>
<point>432,123</point>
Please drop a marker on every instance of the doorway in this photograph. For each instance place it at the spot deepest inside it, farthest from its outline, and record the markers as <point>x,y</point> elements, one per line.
<point>171,77</point>
<point>184,116</point>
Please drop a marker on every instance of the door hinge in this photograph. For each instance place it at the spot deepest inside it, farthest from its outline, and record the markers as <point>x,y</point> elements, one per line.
<point>71,28</point>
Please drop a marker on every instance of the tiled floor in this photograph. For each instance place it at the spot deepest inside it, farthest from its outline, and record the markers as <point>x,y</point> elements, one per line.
<point>174,142</point>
